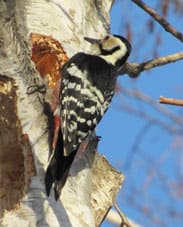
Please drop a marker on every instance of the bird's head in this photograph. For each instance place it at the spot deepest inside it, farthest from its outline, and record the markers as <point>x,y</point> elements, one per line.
<point>114,49</point>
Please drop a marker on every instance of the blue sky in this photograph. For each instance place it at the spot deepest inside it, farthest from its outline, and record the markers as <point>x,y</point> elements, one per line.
<point>119,129</point>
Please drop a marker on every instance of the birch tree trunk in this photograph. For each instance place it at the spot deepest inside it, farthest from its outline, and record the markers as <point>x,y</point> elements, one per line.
<point>24,132</point>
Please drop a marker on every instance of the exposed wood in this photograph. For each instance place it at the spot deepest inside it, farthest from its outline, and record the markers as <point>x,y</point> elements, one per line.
<point>16,161</point>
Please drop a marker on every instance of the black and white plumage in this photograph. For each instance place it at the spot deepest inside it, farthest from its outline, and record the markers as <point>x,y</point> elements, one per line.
<point>87,87</point>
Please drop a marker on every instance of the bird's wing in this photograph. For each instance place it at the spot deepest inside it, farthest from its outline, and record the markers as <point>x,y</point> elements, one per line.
<point>82,107</point>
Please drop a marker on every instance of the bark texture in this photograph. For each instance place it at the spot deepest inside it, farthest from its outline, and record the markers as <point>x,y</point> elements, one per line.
<point>24,133</point>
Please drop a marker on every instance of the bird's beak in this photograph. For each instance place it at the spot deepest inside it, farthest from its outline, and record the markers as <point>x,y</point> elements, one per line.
<point>92,41</point>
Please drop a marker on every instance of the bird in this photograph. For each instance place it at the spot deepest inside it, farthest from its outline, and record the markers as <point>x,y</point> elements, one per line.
<point>87,88</point>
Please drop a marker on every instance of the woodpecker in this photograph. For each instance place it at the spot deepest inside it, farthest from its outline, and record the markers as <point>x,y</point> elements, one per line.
<point>87,87</point>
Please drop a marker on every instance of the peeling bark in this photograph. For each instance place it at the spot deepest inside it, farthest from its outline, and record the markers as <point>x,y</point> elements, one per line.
<point>16,162</point>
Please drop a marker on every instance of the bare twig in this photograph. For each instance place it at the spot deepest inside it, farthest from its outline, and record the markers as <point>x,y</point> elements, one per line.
<point>114,217</point>
<point>135,149</point>
<point>153,103</point>
<point>171,101</point>
<point>175,128</point>
<point>161,20</point>
<point>125,222</point>
<point>134,69</point>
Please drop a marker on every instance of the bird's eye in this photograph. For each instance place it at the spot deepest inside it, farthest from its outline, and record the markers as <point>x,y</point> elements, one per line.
<point>106,37</point>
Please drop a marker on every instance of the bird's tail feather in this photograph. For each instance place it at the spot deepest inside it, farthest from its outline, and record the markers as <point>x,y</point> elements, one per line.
<point>58,168</point>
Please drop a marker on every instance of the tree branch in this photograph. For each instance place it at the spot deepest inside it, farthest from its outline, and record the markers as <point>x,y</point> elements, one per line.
<point>171,101</point>
<point>168,27</point>
<point>134,69</point>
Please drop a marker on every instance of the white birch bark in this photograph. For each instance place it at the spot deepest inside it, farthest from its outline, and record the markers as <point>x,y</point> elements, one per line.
<point>93,184</point>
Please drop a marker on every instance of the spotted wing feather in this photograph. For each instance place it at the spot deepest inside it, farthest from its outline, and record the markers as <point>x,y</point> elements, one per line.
<point>82,104</point>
